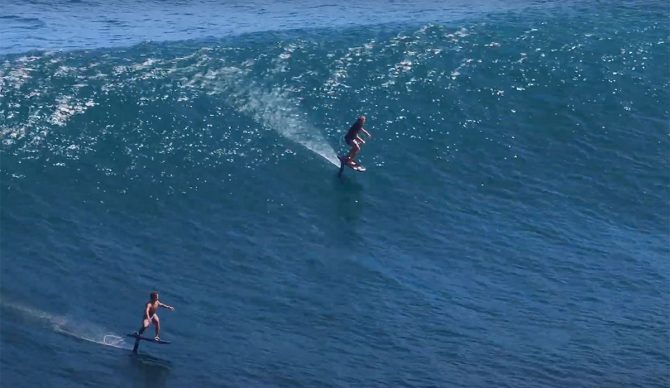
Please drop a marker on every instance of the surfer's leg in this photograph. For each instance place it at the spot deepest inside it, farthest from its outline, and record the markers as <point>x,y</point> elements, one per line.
<point>157,324</point>
<point>355,148</point>
<point>145,324</point>
<point>351,144</point>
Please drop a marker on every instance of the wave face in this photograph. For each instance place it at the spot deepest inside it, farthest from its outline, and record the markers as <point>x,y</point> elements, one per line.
<point>73,24</point>
<point>511,228</point>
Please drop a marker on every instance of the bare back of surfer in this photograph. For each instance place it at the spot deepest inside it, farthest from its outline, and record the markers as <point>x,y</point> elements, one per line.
<point>150,314</point>
<point>353,139</point>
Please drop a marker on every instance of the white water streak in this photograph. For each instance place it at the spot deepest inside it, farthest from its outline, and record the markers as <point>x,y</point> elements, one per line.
<point>82,330</point>
<point>273,109</point>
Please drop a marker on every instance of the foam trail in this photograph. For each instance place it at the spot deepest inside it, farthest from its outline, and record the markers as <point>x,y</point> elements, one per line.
<point>80,330</point>
<point>273,109</point>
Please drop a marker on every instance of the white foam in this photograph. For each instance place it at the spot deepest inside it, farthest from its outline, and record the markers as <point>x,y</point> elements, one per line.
<point>342,65</point>
<point>273,109</point>
<point>66,108</point>
<point>456,72</point>
<point>80,329</point>
<point>18,76</point>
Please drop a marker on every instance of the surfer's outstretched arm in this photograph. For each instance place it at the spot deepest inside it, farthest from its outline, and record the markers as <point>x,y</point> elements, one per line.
<point>165,306</point>
<point>366,132</point>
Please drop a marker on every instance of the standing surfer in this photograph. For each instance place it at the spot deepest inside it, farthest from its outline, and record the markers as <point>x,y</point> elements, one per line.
<point>354,140</point>
<point>150,314</point>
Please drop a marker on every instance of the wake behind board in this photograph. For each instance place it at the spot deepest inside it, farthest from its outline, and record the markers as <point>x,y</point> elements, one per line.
<point>351,164</point>
<point>139,337</point>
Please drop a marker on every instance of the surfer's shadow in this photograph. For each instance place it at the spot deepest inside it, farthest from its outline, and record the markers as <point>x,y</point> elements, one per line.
<point>349,197</point>
<point>149,371</point>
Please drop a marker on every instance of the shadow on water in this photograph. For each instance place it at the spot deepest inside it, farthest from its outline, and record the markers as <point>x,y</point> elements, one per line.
<point>148,371</point>
<point>349,194</point>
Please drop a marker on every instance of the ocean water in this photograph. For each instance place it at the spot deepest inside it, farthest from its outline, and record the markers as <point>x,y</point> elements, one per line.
<point>512,228</point>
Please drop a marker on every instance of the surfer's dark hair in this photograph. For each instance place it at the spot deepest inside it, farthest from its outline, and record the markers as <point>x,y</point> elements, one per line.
<point>153,295</point>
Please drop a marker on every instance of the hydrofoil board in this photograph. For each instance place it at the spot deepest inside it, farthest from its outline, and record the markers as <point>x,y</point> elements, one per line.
<point>350,163</point>
<point>139,337</point>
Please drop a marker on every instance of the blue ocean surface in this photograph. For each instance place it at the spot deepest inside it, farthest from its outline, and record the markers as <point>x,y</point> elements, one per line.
<point>512,228</point>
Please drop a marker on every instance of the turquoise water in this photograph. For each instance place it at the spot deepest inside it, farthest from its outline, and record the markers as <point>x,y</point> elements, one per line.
<point>511,229</point>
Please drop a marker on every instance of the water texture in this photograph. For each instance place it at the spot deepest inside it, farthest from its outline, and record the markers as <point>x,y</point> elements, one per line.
<point>511,230</point>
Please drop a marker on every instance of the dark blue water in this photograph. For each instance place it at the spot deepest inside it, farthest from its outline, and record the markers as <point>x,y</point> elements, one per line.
<point>512,228</point>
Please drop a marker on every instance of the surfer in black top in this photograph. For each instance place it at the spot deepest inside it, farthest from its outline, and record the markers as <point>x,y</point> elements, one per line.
<point>355,141</point>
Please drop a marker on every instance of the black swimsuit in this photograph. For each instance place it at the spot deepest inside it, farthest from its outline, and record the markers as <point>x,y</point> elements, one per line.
<point>351,134</point>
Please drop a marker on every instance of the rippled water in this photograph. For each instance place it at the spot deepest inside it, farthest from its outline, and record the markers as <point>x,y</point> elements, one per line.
<point>511,229</point>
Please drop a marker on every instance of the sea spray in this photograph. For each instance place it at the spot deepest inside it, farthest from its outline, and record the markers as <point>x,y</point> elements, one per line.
<point>274,109</point>
<point>74,328</point>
